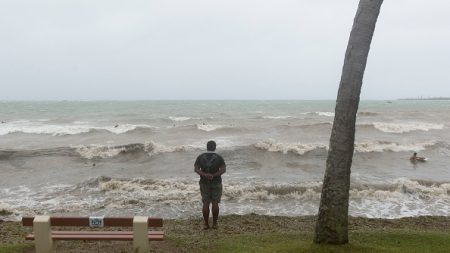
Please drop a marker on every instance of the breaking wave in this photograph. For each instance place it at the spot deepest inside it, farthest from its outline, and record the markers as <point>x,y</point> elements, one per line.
<point>5,209</point>
<point>149,149</point>
<point>297,148</point>
<point>84,128</point>
<point>205,128</point>
<point>362,147</point>
<point>277,117</point>
<point>383,146</point>
<point>78,127</point>
<point>209,128</point>
<point>180,198</point>
<point>406,127</point>
<point>178,119</point>
<point>325,114</point>
<point>95,151</point>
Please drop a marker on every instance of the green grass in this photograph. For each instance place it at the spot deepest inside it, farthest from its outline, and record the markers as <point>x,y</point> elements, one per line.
<point>395,241</point>
<point>400,241</point>
<point>370,242</point>
<point>19,248</point>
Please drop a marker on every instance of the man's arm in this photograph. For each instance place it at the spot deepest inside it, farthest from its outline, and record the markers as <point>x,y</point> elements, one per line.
<point>197,168</point>
<point>221,170</point>
<point>199,171</point>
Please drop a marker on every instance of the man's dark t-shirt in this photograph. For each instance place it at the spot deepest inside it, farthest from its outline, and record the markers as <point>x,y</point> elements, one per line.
<point>210,162</point>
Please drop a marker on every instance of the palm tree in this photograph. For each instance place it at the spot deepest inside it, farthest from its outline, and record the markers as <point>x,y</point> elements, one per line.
<point>332,223</point>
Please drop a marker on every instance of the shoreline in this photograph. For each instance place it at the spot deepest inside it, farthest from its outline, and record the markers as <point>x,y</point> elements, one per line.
<point>187,235</point>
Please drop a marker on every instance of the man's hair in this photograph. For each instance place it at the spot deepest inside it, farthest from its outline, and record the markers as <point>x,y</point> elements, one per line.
<point>211,146</point>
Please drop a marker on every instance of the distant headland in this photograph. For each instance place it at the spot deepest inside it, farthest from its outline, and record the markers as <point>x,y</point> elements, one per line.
<point>428,98</point>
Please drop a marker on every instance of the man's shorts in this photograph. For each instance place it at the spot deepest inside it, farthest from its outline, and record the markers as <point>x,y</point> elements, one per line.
<point>211,192</point>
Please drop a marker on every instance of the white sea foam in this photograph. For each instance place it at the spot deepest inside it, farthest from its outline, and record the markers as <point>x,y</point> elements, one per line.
<point>307,191</point>
<point>277,117</point>
<point>179,118</point>
<point>98,151</point>
<point>108,151</point>
<point>406,127</point>
<point>404,197</point>
<point>401,197</point>
<point>156,148</point>
<point>124,128</point>
<point>77,127</point>
<point>5,209</point>
<point>383,146</point>
<point>208,128</point>
<point>160,190</point>
<point>325,114</point>
<point>152,148</point>
<point>361,147</point>
<point>36,128</point>
<point>298,148</point>
<point>403,187</point>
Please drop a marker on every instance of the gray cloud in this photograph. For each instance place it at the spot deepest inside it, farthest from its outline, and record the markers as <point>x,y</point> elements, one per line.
<point>232,49</point>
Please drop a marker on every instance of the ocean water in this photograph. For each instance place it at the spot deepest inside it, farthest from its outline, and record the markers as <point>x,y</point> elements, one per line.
<point>129,158</point>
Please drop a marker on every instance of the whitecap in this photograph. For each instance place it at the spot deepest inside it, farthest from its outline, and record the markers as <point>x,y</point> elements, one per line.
<point>277,117</point>
<point>5,209</point>
<point>298,148</point>
<point>156,148</point>
<point>208,128</point>
<point>109,151</point>
<point>406,127</point>
<point>98,151</point>
<point>325,114</point>
<point>383,146</point>
<point>397,198</point>
<point>178,119</point>
<point>78,127</point>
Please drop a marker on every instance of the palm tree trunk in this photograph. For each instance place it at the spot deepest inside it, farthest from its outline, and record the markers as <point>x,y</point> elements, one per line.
<point>332,224</point>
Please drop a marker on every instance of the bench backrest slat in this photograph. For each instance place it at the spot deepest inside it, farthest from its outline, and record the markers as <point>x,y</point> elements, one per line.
<point>84,221</point>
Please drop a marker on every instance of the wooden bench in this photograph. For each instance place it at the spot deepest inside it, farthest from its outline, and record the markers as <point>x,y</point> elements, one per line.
<point>140,235</point>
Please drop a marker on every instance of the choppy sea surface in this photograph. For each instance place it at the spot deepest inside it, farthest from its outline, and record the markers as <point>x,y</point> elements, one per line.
<point>127,158</point>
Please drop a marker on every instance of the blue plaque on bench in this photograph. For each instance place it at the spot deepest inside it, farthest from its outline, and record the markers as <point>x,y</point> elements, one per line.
<point>96,222</point>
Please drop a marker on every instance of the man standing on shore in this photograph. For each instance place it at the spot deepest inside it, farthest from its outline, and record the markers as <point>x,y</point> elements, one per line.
<point>210,166</point>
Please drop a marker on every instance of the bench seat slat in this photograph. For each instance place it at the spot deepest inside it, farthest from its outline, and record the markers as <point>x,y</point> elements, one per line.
<point>84,221</point>
<point>102,232</point>
<point>101,237</point>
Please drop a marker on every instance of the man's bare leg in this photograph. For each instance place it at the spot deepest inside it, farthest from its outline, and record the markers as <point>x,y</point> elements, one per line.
<point>215,212</point>
<point>205,211</point>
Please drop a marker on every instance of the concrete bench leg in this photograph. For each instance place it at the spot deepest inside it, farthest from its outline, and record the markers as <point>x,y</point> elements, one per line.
<point>42,234</point>
<point>140,231</point>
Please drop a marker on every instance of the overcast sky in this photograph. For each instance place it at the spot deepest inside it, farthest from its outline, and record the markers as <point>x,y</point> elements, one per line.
<point>224,49</point>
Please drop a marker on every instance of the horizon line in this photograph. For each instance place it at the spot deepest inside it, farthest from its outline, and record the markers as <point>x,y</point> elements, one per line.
<point>187,99</point>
